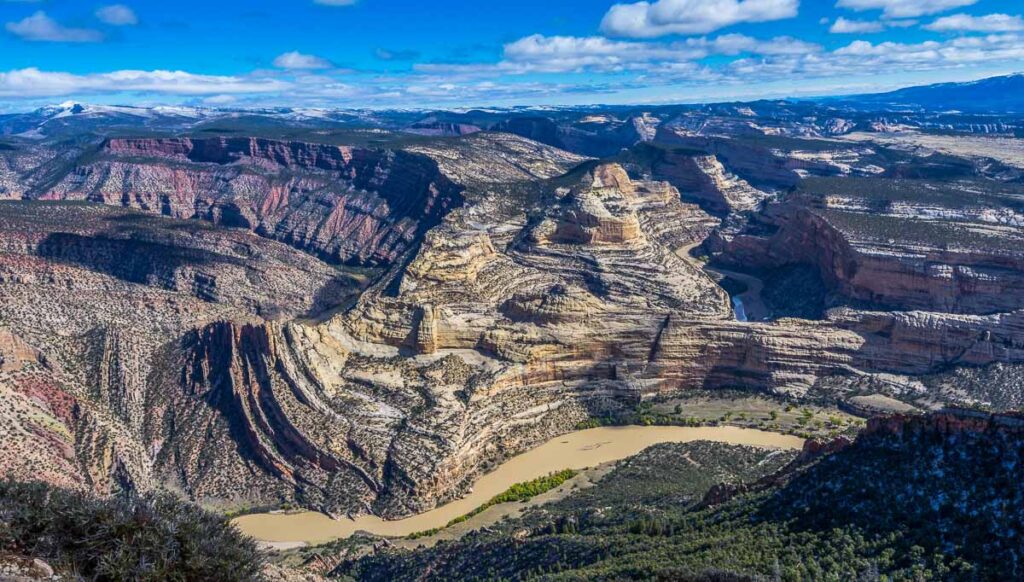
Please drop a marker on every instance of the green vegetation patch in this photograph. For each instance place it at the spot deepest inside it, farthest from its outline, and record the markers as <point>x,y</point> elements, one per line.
<point>152,537</point>
<point>918,504</point>
<point>519,492</point>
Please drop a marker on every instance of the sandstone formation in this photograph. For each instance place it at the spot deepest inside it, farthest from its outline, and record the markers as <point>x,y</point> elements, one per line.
<point>509,326</point>
<point>702,178</point>
<point>951,247</point>
<point>345,204</point>
<point>522,289</point>
<point>89,298</point>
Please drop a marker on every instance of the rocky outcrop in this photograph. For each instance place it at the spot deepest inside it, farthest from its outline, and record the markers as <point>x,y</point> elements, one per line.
<point>599,213</point>
<point>501,332</point>
<point>90,296</point>
<point>754,163</point>
<point>934,253</point>
<point>483,160</point>
<point>346,204</point>
<point>949,423</point>
<point>720,187</point>
<point>702,178</point>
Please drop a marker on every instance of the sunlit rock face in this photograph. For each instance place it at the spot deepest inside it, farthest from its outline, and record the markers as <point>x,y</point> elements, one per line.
<point>522,289</point>
<point>345,204</point>
<point>502,332</point>
<point>952,247</point>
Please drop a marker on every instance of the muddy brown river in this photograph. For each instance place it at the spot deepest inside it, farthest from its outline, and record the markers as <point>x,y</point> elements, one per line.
<point>577,450</point>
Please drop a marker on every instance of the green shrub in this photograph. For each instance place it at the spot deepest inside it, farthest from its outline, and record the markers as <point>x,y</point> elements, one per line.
<point>518,492</point>
<point>151,537</point>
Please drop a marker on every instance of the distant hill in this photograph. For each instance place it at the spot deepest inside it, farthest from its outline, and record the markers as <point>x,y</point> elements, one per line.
<point>997,94</point>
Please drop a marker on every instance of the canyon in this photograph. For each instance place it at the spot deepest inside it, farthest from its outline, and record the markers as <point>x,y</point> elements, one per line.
<point>365,327</point>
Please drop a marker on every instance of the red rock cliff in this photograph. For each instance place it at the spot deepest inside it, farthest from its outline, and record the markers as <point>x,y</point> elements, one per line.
<point>351,205</point>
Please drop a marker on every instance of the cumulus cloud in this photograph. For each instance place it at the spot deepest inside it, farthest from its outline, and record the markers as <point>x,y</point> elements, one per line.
<point>681,63</point>
<point>759,60</point>
<point>42,28</point>
<point>968,23</point>
<point>117,15</point>
<point>845,26</point>
<point>563,54</point>
<point>32,82</point>
<point>665,17</point>
<point>904,8</point>
<point>569,53</point>
<point>864,58</point>
<point>734,44</point>
<point>299,61</point>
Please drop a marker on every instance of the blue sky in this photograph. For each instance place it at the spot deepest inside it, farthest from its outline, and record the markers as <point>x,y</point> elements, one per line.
<point>463,53</point>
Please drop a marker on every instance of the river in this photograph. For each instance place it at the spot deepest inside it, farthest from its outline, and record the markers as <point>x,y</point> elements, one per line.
<point>576,450</point>
<point>748,305</point>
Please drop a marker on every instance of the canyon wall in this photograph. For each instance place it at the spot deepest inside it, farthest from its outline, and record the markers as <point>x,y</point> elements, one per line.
<point>507,329</point>
<point>525,291</point>
<point>888,268</point>
<point>351,205</point>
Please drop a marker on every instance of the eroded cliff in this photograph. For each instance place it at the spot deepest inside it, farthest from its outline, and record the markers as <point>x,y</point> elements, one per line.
<point>513,322</point>
<point>526,290</point>
<point>351,205</point>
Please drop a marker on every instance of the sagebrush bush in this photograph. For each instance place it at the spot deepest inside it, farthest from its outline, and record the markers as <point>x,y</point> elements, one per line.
<point>149,537</point>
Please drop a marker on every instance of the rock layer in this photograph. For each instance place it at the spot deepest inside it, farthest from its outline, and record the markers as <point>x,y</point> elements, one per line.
<point>502,331</point>
<point>90,298</point>
<point>898,245</point>
<point>526,290</point>
<point>347,204</point>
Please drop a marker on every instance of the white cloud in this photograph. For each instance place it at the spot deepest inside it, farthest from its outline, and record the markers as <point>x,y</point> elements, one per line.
<point>968,23</point>
<point>32,82</point>
<point>864,58</point>
<point>540,54</point>
<point>562,54</point>
<point>904,8</point>
<point>297,60</point>
<point>220,100</point>
<point>40,27</point>
<point>665,17</point>
<point>734,44</point>
<point>117,15</point>
<point>845,26</point>
<point>568,53</point>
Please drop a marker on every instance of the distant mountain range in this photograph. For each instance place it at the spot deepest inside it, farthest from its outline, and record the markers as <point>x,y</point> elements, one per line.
<point>995,94</point>
<point>613,126</point>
